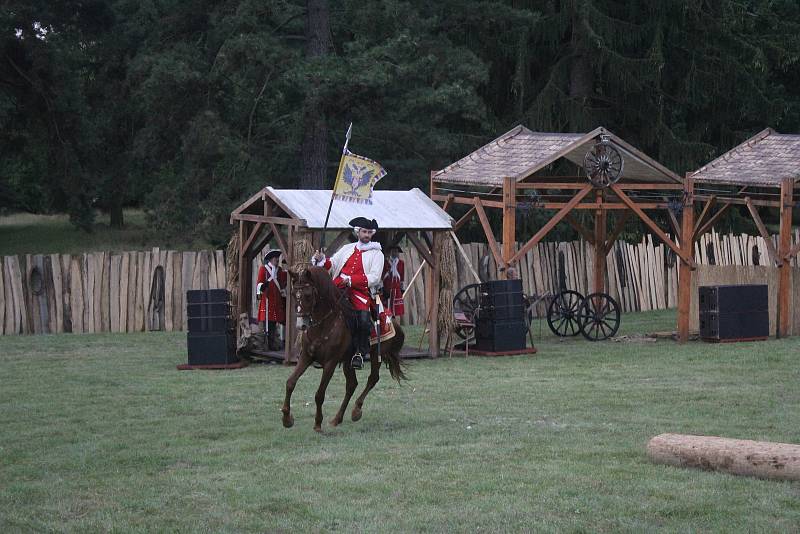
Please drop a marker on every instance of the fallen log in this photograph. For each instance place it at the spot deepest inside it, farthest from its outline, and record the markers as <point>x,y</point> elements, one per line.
<point>762,459</point>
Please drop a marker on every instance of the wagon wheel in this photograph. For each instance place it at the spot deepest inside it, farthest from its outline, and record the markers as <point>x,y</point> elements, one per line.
<point>467,301</point>
<point>562,314</point>
<point>599,317</point>
<point>603,164</point>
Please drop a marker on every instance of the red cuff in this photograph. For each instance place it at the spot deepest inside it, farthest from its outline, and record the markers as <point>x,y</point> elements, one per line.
<point>327,265</point>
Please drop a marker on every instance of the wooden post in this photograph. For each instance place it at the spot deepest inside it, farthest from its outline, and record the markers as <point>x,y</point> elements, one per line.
<point>684,269</point>
<point>600,246</point>
<point>244,271</point>
<point>785,244</point>
<point>432,298</point>
<point>509,221</point>
<point>291,314</point>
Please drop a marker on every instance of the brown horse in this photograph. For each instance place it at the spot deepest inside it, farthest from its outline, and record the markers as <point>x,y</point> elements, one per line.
<point>323,315</point>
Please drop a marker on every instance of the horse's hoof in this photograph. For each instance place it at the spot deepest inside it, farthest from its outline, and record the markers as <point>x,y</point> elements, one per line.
<point>318,429</point>
<point>356,414</point>
<point>335,421</point>
<point>288,421</point>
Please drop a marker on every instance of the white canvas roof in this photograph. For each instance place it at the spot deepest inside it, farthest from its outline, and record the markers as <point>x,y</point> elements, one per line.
<point>394,210</point>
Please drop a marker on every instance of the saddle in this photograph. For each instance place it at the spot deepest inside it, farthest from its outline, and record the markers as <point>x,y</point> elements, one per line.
<point>387,328</point>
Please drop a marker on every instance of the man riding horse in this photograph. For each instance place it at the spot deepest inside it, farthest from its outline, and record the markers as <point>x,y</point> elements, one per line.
<point>358,267</point>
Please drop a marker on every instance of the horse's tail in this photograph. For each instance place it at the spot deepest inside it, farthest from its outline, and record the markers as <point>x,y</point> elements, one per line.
<point>391,357</point>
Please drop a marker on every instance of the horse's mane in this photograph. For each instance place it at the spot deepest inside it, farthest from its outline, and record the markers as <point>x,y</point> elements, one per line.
<point>329,294</point>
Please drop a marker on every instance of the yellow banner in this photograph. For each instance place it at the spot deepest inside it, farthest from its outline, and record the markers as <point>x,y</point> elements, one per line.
<point>356,177</point>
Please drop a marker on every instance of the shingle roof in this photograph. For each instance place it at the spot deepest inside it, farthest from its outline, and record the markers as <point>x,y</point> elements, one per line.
<point>766,159</point>
<point>521,152</point>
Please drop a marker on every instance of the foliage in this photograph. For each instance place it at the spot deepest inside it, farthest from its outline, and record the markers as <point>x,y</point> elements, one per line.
<point>184,108</point>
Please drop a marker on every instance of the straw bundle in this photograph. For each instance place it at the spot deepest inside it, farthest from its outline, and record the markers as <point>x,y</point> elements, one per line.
<point>447,269</point>
<point>232,271</point>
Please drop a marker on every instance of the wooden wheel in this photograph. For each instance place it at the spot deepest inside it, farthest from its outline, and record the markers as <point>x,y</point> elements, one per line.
<point>599,317</point>
<point>467,301</point>
<point>603,164</point>
<point>562,314</point>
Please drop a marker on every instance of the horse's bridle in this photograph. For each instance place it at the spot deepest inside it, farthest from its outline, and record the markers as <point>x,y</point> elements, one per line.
<point>308,315</point>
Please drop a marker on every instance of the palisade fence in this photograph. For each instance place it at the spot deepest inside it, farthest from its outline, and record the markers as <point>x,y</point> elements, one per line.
<point>143,291</point>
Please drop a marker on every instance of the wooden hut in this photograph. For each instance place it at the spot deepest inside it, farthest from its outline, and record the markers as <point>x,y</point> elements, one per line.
<point>516,169</point>
<point>762,172</point>
<point>286,216</point>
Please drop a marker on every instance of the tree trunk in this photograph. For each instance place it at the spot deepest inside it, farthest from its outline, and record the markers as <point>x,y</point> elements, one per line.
<point>761,459</point>
<point>315,136</point>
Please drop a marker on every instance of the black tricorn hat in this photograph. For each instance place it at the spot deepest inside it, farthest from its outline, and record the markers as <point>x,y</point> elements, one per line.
<point>271,254</point>
<point>363,222</point>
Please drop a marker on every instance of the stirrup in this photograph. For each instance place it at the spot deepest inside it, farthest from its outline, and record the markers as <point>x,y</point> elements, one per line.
<point>357,361</point>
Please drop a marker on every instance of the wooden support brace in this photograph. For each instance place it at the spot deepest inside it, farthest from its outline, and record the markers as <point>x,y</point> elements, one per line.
<point>252,236</point>
<point>706,209</point>
<point>652,225</point>
<point>280,239</point>
<point>776,259</point>
<point>551,223</point>
<point>487,229</point>
<point>617,230</point>
<point>586,234</point>
<point>421,248</point>
<point>711,222</point>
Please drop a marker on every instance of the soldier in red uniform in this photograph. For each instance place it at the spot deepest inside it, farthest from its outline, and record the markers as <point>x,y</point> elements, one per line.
<point>394,281</point>
<point>271,290</point>
<point>357,266</point>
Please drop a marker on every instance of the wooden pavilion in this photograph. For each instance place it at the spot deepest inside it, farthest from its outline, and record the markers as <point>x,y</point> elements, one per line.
<point>513,171</point>
<point>762,172</point>
<point>289,216</point>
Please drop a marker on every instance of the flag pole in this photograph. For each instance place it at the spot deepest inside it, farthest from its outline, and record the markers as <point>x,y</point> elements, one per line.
<point>333,192</point>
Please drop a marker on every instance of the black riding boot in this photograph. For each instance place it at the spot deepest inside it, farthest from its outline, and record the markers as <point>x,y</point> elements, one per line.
<point>363,327</point>
<point>272,336</point>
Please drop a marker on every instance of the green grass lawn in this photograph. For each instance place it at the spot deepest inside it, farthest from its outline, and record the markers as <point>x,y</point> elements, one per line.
<point>24,233</point>
<point>100,432</point>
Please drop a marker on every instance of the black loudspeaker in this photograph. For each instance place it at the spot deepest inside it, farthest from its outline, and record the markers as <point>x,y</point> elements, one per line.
<point>733,299</point>
<point>199,296</point>
<point>733,313</point>
<point>221,323</point>
<point>216,348</point>
<point>208,309</point>
<point>502,300</point>
<point>715,326</point>
<point>503,336</point>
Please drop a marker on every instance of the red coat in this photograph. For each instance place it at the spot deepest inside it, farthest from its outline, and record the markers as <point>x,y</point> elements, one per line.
<point>271,298</point>
<point>393,285</point>
<point>360,296</point>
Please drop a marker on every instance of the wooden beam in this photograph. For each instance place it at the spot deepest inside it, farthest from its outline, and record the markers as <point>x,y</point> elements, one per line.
<point>552,222</point>
<point>578,185</point>
<point>448,202</point>
<point>433,299</point>
<point>464,219</point>
<point>792,252</point>
<point>281,241</point>
<point>684,268</point>
<point>785,243</point>
<point>740,201</point>
<point>599,250</point>
<point>509,219</point>
<point>263,241</point>
<point>776,259</point>
<point>673,222</point>
<point>706,210</point>
<point>466,258</point>
<point>587,235</point>
<point>269,220</point>
<point>246,204</point>
<point>714,218</point>
<point>421,248</point>
<point>253,234</point>
<point>487,229</point>
<point>651,224</point>
<point>244,272</point>
<point>468,201</point>
<point>616,231</point>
